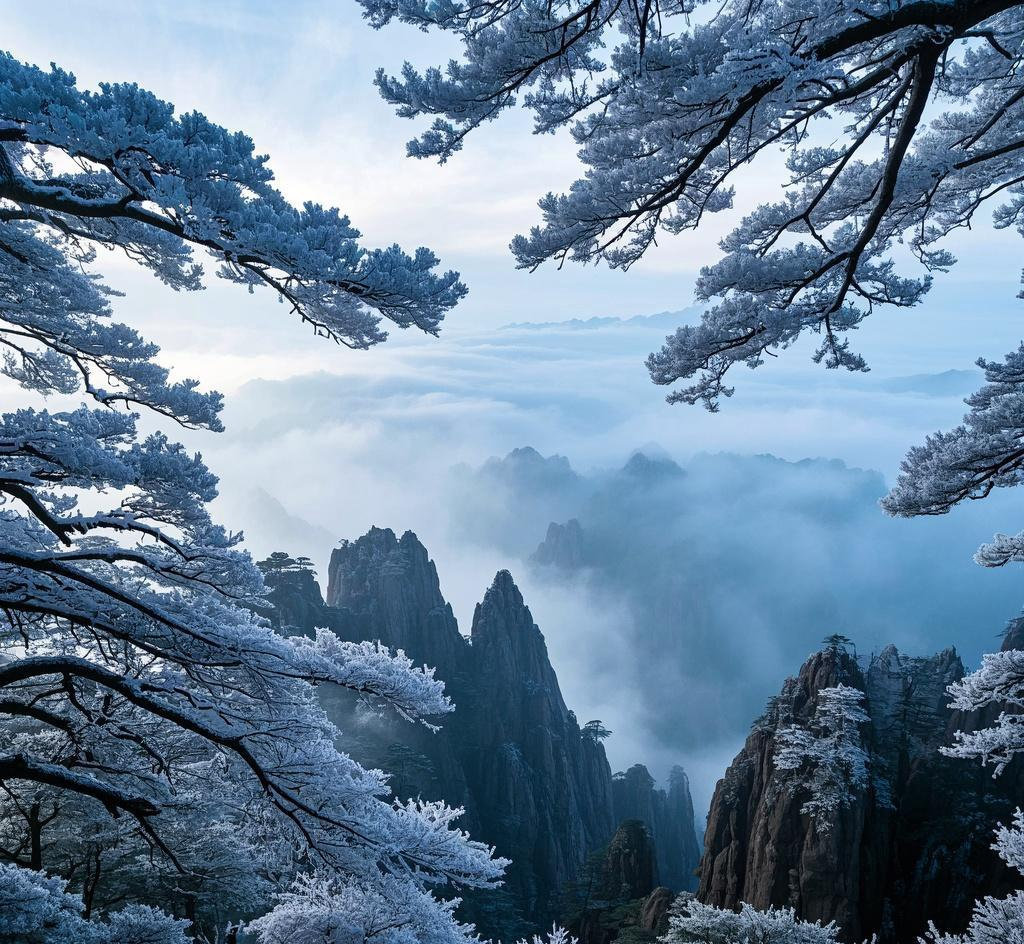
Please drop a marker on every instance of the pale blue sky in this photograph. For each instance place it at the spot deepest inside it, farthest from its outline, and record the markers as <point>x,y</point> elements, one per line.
<point>298,76</point>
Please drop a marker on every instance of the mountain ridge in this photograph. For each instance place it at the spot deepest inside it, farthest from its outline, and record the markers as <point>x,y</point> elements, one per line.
<point>533,782</point>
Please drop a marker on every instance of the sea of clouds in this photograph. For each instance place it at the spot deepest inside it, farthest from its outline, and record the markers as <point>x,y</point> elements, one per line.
<point>703,589</point>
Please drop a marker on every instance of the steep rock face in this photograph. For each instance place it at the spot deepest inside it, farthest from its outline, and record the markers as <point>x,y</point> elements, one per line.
<point>912,846</point>
<point>562,547</point>
<point>512,754</point>
<point>679,833</point>
<point>542,789</point>
<point>755,839</point>
<point>391,586</point>
<point>654,911</point>
<point>630,866</point>
<point>668,814</point>
<point>617,888</point>
<point>296,604</point>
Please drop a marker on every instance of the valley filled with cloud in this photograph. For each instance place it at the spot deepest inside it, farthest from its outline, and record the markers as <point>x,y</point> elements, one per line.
<point>708,571</point>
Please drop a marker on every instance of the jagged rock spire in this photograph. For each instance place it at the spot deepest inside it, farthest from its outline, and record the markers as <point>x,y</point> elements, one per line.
<point>668,814</point>
<point>393,585</point>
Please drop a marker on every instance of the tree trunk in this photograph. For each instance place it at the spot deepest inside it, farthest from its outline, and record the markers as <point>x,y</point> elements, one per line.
<point>35,835</point>
<point>92,881</point>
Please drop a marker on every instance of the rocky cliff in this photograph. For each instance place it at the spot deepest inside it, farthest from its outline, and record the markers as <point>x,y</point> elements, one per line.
<point>542,789</point>
<point>914,843</point>
<point>617,898</point>
<point>669,816</point>
<point>562,547</point>
<point>391,589</point>
<point>296,603</point>
<point>533,784</point>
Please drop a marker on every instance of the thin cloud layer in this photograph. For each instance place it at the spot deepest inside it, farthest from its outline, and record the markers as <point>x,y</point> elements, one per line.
<point>702,591</point>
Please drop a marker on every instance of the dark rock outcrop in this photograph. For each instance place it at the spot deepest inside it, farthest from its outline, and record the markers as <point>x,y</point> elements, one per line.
<point>630,862</point>
<point>562,547</point>
<point>668,814</point>
<point>652,469</point>
<point>512,754</point>
<point>617,898</point>
<point>296,604</point>
<point>654,911</point>
<point>542,790</point>
<point>616,885</point>
<point>525,469</point>
<point>914,843</point>
<point>390,587</point>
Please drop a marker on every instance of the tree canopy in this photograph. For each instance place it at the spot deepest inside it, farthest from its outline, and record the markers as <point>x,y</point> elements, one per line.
<point>596,730</point>
<point>899,121</point>
<point>142,700</point>
<point>825,760</point>
<point>692,922</point>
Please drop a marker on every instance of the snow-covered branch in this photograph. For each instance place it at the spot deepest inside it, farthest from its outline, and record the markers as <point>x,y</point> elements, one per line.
<point>826,760</point>
<point>921,106</point>
<point>691,922</point>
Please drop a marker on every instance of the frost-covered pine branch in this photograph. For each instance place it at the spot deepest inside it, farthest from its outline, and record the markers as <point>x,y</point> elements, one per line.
<point>317,909</point>
<point>37,909</point>
<point>692,922</point>
<point>985,452</point>
<point>999,683</point>
<point>968,462</point>
<point>141,698</point>
<point>899,122</point>
<point>826,760</point>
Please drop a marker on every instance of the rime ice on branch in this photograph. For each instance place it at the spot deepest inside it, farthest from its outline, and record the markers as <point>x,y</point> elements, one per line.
<point>826,759</point>
<point>138,691</point>
<point>692,922</point>
<point>899,120</point>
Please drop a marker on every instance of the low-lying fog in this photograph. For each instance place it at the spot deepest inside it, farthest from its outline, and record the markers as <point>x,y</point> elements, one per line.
<point>709,569</point>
